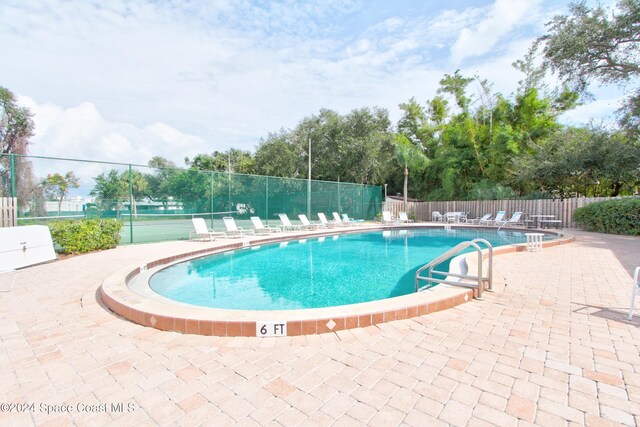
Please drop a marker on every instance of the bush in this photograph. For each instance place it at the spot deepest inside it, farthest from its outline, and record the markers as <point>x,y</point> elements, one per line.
<point>620,216</point>
<point>86,235</point>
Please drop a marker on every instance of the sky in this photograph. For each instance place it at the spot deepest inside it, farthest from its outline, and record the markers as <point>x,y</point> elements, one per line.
<point>127,80</point>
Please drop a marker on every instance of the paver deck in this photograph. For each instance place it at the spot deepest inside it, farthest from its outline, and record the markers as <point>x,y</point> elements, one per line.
<point>550,346</point>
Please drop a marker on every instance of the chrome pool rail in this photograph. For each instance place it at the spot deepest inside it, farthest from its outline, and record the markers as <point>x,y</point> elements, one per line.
<point>634,290</point>
<point>472,281</point>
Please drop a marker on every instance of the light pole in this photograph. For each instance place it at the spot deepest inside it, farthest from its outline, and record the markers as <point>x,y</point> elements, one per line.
<point>385,191</point>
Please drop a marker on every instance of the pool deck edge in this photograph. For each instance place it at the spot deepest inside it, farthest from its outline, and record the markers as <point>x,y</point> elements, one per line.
<point>125,302</point>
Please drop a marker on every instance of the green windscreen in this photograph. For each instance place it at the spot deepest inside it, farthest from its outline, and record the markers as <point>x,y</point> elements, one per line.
<point>157,204</point>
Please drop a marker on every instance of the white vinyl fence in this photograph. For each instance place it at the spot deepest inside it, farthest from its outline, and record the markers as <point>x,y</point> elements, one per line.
<point>8,212</point>
<point>562,209</point>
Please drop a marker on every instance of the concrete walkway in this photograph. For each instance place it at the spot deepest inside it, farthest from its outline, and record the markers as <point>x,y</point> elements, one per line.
<point>550,346</point>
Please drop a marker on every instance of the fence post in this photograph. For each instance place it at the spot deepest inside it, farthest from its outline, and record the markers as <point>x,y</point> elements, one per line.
<point>266,202</point>
<point>13,175</point>
<point>362,201</point>
<point>339,208</point>
<point>130,204</point>
<point>211,216</point>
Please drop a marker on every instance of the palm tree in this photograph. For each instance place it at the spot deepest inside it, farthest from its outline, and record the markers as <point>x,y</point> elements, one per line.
<point>411,156</point>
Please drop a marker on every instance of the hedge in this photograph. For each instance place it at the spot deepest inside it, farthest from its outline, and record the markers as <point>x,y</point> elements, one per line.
<point>86,235</point>
<point>620,216</point>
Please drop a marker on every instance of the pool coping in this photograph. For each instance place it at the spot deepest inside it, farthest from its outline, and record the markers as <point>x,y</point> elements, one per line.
<point>168,316</point>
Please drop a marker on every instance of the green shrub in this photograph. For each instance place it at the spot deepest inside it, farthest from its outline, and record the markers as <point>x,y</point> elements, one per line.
<point>620,216</point>
<point>86,235</point>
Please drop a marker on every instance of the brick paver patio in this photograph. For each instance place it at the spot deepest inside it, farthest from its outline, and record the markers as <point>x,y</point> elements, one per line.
<point>550,346</point>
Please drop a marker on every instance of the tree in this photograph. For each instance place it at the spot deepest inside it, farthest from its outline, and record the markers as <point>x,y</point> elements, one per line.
<point>233,160</point>
<point>355,147</point>
<point>410,156</point>
<point>276,156</point>
<point>16,127</point>
<point>110,189</point>
<point>534,74</point>
<point>57,186</point>
<point>139,187</point>
<point>456,85</point>
<point>16,124</point>
<point>597,44</point>
<point>587,161</point>
<point>158,181</point>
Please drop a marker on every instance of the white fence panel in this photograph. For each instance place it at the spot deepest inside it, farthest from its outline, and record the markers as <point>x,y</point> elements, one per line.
<point>8,211</point>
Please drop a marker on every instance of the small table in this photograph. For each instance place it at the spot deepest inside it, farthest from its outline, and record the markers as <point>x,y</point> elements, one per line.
<point>454,216</point>
<point>540,218</point>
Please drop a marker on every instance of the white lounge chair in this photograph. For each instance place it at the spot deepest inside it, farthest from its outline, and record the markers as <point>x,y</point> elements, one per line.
<point>483,220</point>
<point>516,219</point>
<point>402,217</point>
<point>286,223</point>
<point>351,221</point>
<point>386,217</point>
<point>323,220</point>
<point>308,224</point>
<point>499,219</point>
<point>260,228</point>
<point>201,232</point>
<point>338,220</point>
<point>233,230</point>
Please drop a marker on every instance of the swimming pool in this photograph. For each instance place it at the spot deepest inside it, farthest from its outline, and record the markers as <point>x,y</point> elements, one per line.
<point>315,272</point>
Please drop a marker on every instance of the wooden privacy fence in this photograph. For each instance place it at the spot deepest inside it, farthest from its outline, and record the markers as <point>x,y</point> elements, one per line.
<point>562,209</point>
<point>8,212</point>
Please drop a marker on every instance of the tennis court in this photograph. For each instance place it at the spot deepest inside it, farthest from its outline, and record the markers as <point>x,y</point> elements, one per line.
<point>157,204</point>
<point>156,227</point>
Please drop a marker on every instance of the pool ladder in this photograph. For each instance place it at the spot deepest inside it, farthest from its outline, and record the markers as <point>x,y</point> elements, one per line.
<point>463,279</point>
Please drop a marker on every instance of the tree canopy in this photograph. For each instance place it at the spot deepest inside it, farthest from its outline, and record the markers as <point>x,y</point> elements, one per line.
<point>598,45</point>
<point>16,124</point>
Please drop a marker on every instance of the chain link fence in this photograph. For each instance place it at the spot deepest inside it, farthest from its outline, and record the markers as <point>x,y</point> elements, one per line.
<point>158,204</point>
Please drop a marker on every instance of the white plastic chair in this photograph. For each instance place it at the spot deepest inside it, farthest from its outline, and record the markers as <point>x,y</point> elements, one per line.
<point>308,224</point>
<point>323,220</point>
<point>484,220</point>
<point>514,220</point>
<point>436,216</point>
<point>260,228</point>
<point>498,219</point>
<point>386,217</point>
<point>286,223</point>
<point>202,232</point>
<point>338,220</point>
<point>351,221</point>
<point>402,217</point>
<point>233,230</point>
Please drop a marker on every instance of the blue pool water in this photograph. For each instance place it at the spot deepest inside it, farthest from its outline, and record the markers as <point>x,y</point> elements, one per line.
<point>318,272</point>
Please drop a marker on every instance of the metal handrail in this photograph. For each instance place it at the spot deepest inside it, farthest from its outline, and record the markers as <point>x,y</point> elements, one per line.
<point>634,290</point>
<point>430,266</point>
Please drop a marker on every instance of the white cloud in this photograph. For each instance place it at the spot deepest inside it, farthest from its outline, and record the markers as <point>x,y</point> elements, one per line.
<point>123,81</point>
<point>499,20</point>
<point>81,132</point>
<point>602,110</point>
